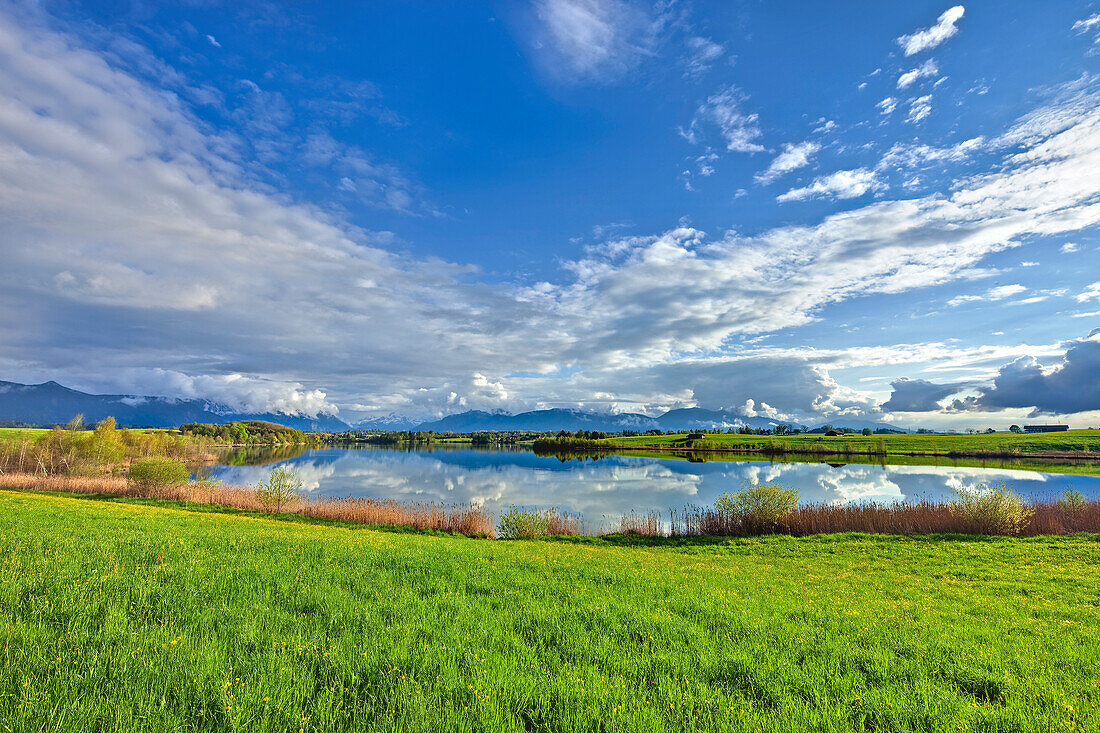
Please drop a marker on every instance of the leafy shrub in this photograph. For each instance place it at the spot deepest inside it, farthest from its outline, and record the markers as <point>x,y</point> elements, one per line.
<point>518,524</point>
<point>1071,501</point>
<point>158,473</point>
<point>762,506</point>
<point>281,488</point>
<point>992,509</point>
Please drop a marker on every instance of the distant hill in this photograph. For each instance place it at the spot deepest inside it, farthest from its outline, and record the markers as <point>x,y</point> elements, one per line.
<point>572,420</point>
<point>50,403</point>
<point>691,418</point>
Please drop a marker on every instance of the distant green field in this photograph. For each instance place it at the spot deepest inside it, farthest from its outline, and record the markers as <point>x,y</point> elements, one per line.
<point>119,617</point>
<point>16,434</point>
<point>1081,467</point>
<point>1007,443</point>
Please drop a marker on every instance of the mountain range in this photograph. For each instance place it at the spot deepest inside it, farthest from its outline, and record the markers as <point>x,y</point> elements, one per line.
<point>50,403</point>
<point>566,419</point>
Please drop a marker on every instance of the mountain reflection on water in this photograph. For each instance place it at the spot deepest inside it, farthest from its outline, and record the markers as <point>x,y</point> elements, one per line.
<point>605,487</point>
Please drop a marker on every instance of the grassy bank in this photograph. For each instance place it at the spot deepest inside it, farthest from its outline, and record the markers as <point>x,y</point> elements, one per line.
<point>122,617</point>
<point>1069,444</point>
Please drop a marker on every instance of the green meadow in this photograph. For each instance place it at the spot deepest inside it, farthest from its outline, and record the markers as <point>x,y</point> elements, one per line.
<point>1005,444</point>
<point>120,616</point>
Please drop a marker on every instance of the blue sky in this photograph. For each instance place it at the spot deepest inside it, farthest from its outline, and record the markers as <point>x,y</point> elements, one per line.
<point>885,211</point>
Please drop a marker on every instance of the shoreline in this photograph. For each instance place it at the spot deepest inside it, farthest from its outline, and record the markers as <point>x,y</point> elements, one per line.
<point>1070,455</point>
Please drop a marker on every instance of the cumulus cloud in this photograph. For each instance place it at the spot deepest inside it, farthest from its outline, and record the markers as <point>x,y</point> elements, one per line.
<point>237,391</point>
<point>887,105</point>
<point>1092,292</point>
<point>793,157</point>
<point>1064,388</point>
<point>927,38</point>
<point>740,130</point>
<point>919,395</point>
<point>927,69</point>
<point>919,108</point>
<point>838,185</point>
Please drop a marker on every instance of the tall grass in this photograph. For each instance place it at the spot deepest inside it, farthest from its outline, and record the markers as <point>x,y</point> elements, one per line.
<point>1044,518</point>
<point>466,519</point>
<point>518,523</point>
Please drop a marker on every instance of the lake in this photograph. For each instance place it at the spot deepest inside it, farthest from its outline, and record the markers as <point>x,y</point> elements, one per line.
<point>602,489</point>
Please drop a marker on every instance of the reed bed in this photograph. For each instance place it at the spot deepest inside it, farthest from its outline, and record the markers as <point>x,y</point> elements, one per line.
<point>640,525</point>
<point>1044,518</point>
<point>564,523</point>
<point>466,519</point>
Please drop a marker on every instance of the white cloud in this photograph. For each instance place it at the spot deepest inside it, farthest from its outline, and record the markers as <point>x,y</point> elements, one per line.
<point>928,38</point>
<point>739,130</point>
<point>793,157</point>
<point>840,185</point>
<point>596,39</point>
<point>1070,248</point>
<point>887,105</point>
<point>703,52</point>
<point>925,70</point>
<point>1092,292</point>
<point>907,156</point>
<point>213,41</point>
<point>998,293</point>
<point>919,108</point>
<point>1088,25</point>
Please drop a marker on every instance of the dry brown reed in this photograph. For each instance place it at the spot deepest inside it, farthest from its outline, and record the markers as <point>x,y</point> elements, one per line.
<point>641,525</point>
<point>464,519</point>
<point>564,523</point>
<point>1046,518</point>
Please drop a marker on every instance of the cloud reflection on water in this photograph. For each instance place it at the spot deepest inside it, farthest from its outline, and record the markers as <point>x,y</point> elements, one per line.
<point>606,488</point>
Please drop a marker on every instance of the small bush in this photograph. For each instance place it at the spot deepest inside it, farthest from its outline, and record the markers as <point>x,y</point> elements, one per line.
<point>762,506</point>
<point>519,524</point>
<point>281,488</point>
<point>157,473</point>
<point>991,509</point>
<point>1071,501</point>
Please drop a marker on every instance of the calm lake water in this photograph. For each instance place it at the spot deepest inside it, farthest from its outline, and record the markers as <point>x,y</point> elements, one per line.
<point>605,488</point>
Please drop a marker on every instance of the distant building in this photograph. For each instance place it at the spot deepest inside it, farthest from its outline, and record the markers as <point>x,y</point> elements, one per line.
<point>1045,428</point>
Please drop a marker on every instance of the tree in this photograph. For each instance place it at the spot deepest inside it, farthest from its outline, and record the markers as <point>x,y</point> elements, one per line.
<point>867,431</point>
<point>1015,429</point>
<point>281,488</point>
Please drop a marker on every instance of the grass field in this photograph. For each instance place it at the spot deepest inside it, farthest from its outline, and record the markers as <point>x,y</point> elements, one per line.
<point>118,616</point>
<point>17,434</point>
<point>1009,444</point>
